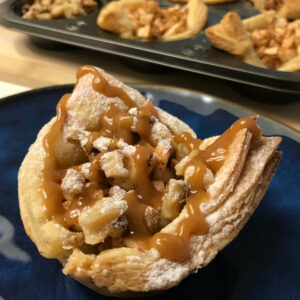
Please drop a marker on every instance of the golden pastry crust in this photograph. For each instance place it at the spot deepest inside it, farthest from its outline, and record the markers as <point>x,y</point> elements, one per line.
<point>289,9</point>
<point>263,40</point>
<point>145,20</point>
<point>235,191</point>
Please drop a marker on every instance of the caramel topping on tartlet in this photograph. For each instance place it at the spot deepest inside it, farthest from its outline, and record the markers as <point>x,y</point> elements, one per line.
<point>129,176</point>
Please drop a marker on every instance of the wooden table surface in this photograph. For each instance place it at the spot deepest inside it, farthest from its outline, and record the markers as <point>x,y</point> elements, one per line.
<point>25,63</point>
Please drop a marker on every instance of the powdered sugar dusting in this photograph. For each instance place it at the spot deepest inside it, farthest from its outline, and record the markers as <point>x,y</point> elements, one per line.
<point>160,131</point>
<point>112,164</point>
<point>108,204</point>
<point>102,143</point>
<point>126,149</point>
<point>86,169</point>
<point>73,182</point>
<point>133,111</point>
<point>78,134</point>
<point>133,260</point>
<point>165,144</point>
<point>164,273</point>
<point>117,193</point>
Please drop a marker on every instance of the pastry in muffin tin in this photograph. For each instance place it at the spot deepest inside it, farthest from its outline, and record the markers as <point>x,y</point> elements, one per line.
<point>127,197</point>
<point>289,9</point>
<point>265,40</point>
<point>145,20</point>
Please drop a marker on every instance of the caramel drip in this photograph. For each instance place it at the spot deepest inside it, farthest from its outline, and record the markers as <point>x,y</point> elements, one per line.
<point>187,139</point>
<point>169,246</point>
<point>176,246</point>
<point>92,137</point>
<point>51,176</point>
<point>143,184</point>
<point>84,200</point>
<point>136,217</point>
<point>91,193</point>
<point>102,86</point>
<point>195,181</point>
<point>143,125</point>
<point>194,223</point>
<point>116,124</point>
<point>215,154</point>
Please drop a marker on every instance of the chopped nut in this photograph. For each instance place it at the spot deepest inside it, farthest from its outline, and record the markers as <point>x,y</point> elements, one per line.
<point>102,144</point>
<point>46,9</point>
<point>160,158</point>
<point>72,184</point>
<point>85,170</point>
<point>152,219</point>
<point>97,221</point>
<point>159,131</point>
<point>278,43</point>
<point>149,21</point>
<point>112,164</point>
<point>121,223</point>
<point>173,199</point>
<point>159,185</point>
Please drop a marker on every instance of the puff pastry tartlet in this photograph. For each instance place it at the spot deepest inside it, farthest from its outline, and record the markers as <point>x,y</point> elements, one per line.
<point>289,9</point>
<point>264,40</point>
<point>126,196</point>
<point>56,9</point>
<point>145,20</point>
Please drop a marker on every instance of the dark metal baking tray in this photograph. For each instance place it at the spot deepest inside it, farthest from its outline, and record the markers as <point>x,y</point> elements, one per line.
<point>194,54</point>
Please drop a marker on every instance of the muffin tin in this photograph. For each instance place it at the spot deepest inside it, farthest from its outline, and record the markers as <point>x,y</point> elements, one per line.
<point>195,54</point>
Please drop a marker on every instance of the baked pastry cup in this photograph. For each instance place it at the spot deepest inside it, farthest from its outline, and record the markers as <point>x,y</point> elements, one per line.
<point>289,9</point>
<point>264,40</point>
<point>146,20</point>
<point>56,9</point>
<point>126,196</point>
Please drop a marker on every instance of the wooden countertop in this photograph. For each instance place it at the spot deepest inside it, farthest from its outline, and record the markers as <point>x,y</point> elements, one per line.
<point>25,63</point>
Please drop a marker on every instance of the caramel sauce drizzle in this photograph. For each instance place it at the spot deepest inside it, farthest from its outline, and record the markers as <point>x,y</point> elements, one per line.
<point>143,184</point>
<point>102,86</point>
<point>116,124</point>
<point>135,215</point>
<point>51,191</point>
<point>187,139</point>
<point>215,154</point>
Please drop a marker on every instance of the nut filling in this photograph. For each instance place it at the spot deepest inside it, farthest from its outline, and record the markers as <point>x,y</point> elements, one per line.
<point>146,20</point>
<point>278,43</point>
<point>273,4</point>
<point>135,177</point>
<point>54,9</point>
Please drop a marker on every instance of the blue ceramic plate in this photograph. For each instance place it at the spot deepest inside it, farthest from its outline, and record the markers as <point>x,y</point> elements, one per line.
<point>263,262</point>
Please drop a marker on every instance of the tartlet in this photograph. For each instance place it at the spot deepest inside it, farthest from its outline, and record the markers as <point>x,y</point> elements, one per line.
<point>289,9</point>
<point>126,196</point>
<point>56,9</point>
<point>264,40</point>
<point>145,20</point>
